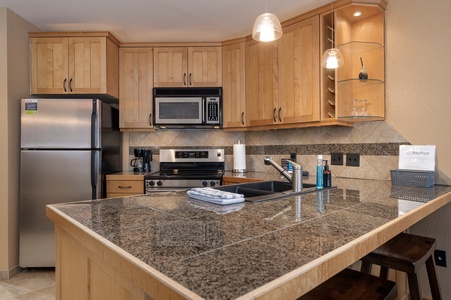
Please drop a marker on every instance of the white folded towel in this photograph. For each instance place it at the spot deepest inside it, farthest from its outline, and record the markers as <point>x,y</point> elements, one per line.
<point>215,196</point>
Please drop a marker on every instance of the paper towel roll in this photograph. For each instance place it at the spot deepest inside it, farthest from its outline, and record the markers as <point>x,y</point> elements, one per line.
<point>239,158</point>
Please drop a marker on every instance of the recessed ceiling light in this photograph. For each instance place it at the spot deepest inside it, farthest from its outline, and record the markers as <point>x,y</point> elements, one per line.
<point>357,13</point>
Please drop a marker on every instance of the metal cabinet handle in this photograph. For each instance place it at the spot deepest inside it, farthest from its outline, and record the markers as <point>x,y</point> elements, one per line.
<point>125,186</point>
<point>274,114</point>
<point>184,79</point>
<point>242,118</point>
<point>70,86</point>
<point>64,85</point>
<point>280,110</point>
<point>150,119</point>
<point>190,79</point>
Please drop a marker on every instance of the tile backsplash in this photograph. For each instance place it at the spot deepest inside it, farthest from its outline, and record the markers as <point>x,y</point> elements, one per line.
<point>376,142</point>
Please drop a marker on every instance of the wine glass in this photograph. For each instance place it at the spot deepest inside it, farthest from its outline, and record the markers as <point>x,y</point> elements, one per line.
<point>363,110</point>
<point>354,110</point>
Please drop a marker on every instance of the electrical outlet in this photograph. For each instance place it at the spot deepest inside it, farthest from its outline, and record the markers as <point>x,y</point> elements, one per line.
<point>353,159</point>
<point>336,159</point>
<point>440,258</point>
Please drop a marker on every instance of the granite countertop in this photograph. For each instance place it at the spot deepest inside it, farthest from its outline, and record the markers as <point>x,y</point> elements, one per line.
<point>227,252</point>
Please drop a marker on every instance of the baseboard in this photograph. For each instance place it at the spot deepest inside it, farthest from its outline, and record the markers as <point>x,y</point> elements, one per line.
<point>8,274</point>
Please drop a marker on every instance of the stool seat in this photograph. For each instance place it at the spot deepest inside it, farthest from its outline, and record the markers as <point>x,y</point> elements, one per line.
<point>353,285</point>
<point>406,253</point>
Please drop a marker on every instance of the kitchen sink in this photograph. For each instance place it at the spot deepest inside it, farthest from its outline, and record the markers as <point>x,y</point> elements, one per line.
<point>265,190</point>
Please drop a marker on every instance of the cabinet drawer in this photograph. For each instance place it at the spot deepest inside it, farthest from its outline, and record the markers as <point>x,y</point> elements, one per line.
<point>128,187</point>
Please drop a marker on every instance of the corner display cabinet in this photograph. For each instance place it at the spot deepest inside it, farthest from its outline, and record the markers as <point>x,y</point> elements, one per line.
<point>358,31</point>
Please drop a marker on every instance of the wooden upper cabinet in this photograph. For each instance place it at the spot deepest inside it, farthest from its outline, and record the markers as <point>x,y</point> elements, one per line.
<point>262,96</point>
<point>135,88</point>
<point>188,67</point>
<point>81,64</point>
<point>233,88</point>
<point>299,67</point>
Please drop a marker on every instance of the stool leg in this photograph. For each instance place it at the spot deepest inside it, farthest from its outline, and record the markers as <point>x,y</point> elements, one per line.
<point>414,288</point>
<point>366,267</point>
<point>383,273</point>
<point>433,283</point>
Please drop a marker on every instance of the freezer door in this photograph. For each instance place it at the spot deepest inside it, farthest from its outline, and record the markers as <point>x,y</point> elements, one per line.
<point>56,123</point>
<point>48,177</point>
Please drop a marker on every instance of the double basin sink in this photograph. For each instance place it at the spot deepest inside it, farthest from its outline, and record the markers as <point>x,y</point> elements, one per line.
<point>266,190</point>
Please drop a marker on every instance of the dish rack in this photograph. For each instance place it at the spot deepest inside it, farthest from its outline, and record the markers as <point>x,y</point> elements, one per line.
<point>412,178</point>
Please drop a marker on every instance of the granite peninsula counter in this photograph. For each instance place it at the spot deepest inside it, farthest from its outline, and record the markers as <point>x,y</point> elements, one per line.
<point>167,246</point>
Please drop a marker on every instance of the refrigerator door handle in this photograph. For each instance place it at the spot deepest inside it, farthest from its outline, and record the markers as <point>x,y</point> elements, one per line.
<point>95,171</point>
<point>94,125</point>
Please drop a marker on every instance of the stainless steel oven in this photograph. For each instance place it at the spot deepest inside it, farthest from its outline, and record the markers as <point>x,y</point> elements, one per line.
<point>187,107</point>
<point>182,169</point>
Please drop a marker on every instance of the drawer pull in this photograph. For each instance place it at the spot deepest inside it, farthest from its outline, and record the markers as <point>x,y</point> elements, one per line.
<point>125,186</point>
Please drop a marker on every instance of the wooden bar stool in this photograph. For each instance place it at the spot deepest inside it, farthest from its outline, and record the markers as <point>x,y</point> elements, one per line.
<point>406,253</point>
<point>353,285</point>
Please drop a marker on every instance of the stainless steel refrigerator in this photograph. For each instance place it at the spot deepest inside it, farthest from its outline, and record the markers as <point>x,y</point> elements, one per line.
<point>67,148</point>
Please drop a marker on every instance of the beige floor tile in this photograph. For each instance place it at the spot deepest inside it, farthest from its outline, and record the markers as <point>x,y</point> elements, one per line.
<point>30,284</point>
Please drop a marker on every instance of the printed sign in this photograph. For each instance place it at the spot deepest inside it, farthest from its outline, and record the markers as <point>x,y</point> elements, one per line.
<point>31,106</point>
<point>414,157</point>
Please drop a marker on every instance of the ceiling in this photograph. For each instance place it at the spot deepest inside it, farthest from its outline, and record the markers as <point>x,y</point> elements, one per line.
<point>157,20</point>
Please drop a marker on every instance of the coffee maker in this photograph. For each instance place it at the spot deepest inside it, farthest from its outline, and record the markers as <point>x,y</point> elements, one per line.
<point>141,161</point>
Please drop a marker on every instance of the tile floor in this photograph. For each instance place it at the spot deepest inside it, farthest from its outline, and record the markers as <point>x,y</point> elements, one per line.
<point>30,284</point>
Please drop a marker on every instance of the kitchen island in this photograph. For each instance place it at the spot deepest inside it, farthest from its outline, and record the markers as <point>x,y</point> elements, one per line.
<point>167,246</point>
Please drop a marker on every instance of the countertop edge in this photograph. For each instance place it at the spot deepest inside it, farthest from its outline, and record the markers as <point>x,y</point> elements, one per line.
<point>88,237</point>
<point>303,279</point>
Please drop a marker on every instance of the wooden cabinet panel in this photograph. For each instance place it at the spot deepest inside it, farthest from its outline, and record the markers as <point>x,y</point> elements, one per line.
<point>170,67</point>
<point>187,66</point>
<point>121,188</point>
<point>233,88</point>
<point>261,83</point>
<point>204,66</point>
<point>49,65</point>
<point>299,72</point>
<point>135,88</point>
<point>74,65</point>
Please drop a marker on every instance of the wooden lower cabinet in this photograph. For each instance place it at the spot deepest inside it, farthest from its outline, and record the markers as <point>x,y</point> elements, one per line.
<point>89,269</point>
<point>236,180</point>
<point>120,185</point>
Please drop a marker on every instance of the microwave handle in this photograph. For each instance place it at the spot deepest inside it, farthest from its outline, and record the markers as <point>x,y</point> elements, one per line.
<point>204,110</point>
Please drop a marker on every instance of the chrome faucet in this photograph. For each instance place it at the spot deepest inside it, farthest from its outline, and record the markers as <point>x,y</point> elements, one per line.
<point>295,179</point>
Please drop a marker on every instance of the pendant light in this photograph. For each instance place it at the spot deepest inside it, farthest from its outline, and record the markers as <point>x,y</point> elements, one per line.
<point>332,58</point>
<point>267,27</point>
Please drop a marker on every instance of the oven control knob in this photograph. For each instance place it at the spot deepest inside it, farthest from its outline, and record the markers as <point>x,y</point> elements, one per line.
<point>204,183</point>
<point>151,183</point>
<point>159,183</point>
<point>212,183</point>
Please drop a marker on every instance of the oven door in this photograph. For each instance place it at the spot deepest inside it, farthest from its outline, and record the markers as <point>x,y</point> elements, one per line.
<point>179,110</point>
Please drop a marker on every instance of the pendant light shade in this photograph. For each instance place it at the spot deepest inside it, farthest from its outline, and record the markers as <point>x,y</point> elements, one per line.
<point>332,59</point>
<point>267,28</point>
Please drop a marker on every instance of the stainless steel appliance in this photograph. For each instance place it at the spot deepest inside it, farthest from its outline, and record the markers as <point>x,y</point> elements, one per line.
<point>187,107</point>
<point>186,168</point>
<point>67,147</point>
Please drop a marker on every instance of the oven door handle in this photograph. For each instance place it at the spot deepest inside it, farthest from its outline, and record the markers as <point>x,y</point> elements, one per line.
<point>161,190</point>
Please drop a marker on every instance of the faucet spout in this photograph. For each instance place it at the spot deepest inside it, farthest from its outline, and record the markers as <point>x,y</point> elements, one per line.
<point>295,179</point>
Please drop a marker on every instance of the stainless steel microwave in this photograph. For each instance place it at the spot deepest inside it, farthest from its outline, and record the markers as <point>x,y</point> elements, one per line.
<point>187,107</point>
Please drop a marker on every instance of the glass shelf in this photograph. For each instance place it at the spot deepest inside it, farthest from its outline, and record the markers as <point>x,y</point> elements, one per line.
<point>361,118</point>
<point>359,47</point>
<point>357,82</point>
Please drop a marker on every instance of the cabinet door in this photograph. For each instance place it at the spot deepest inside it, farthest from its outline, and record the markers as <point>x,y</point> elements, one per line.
<point>87,65</point>
<point>170,67</point>
<point>204,66</point>
<point>135,88</point>
<point>233,88</point>
<point>49,65</point>
<point>261,83</point>
<point>299,72</point>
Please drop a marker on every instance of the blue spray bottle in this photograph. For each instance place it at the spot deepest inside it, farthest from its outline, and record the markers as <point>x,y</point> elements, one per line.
<point>319,172</point>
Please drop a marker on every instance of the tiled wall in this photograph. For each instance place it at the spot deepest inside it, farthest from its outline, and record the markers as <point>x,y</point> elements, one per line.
<point>377,142</point>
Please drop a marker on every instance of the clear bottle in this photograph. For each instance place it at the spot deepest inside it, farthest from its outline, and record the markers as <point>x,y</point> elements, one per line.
<point>319,172</point>
<point>327,176</point>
